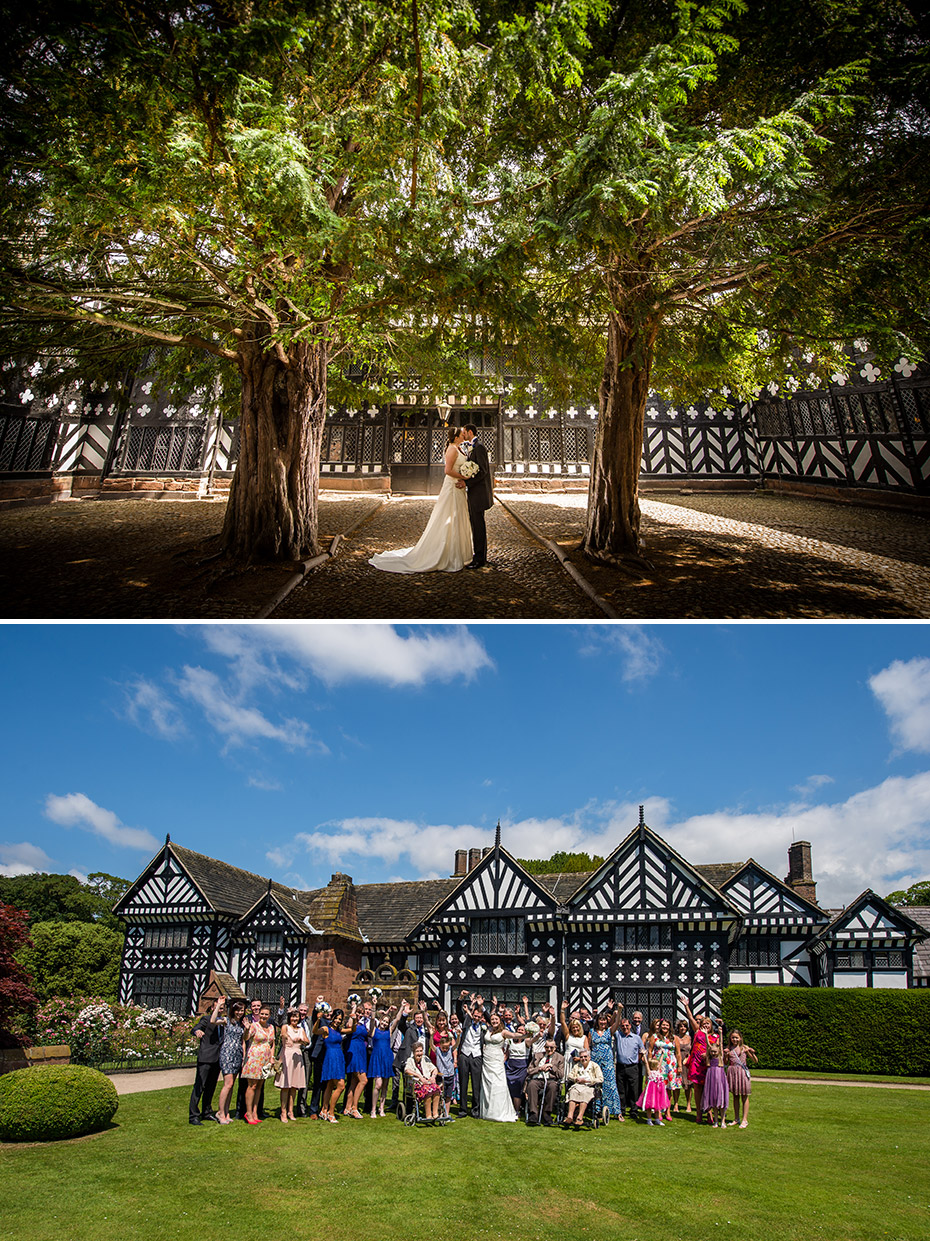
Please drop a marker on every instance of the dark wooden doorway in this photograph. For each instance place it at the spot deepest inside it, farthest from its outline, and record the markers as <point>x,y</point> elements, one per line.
<point>417,444</point>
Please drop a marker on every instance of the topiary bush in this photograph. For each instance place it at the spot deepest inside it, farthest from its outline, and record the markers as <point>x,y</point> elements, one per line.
<point>55,1101</point>
<point>833,1029</point>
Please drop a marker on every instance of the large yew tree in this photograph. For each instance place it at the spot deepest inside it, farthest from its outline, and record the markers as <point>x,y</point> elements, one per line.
<point>703,191</point>
<point>254,184</point>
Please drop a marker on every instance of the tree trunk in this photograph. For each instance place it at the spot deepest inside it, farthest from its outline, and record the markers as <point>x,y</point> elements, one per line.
<point>612,528</point>
<point>272,509</point>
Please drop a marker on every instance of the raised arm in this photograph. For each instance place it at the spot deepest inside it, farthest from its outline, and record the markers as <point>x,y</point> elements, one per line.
<point>616,1013</point>
<point>562,1011</point>
<point>690,1015</point>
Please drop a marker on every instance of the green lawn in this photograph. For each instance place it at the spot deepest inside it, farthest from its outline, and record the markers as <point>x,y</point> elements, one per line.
<point>800,1074</point>
<point>815,1162</point>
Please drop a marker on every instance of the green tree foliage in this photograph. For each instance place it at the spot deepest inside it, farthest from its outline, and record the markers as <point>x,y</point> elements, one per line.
<point>702,193</point>
<point>63,898</point>
<point>917,894</point>
<point>561,863</point>
<point>17,996</point>
<point>73,958</point>
<point>259,186</point>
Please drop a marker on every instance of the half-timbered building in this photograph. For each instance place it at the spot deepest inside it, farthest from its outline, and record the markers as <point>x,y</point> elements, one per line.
<point>646,928</point>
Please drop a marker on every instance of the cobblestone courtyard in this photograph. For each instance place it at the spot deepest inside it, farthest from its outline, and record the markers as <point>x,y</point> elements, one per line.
<point>747,555</point>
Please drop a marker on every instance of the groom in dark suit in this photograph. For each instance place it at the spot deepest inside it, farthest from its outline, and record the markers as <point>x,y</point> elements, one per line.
<point>480,498</point>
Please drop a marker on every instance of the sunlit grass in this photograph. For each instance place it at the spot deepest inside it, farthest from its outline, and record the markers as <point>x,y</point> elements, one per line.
<point>842,1164</point>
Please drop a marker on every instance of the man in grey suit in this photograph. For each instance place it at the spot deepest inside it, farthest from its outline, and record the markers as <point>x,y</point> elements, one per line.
<point>544,1075</point>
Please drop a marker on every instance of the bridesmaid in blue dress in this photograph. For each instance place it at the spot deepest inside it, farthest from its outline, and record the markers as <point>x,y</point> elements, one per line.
<point>333,1072</point>
<point>601,1037</point>
<point>357,1068</point>
<point>381,1064</point>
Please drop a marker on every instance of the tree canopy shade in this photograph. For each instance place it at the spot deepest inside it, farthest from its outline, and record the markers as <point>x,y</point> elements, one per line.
<point>260,184</point>
<point>703,190</point>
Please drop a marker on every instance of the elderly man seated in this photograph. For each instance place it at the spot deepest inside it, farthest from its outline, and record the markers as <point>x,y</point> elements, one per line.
<point>583,1076</point>
<point>543,1075</point>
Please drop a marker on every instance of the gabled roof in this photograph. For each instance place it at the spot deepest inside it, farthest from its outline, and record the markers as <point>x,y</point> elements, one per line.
<point>903,916</point>
<point>778,884</point>
<point>227,888</point>
<point>646,837</point>
<point>498,881</point>
<point>291,908</point>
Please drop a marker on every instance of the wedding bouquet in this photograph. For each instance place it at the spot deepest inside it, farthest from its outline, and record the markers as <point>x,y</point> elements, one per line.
<point>468,469</point>
<point>375,993</point>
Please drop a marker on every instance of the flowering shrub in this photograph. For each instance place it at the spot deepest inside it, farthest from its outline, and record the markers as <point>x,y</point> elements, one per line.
<point>97,1030</point>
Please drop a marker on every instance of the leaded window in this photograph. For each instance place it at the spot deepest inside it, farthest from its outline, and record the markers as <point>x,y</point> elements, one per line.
<point>171,991</point>
<point>269,942</point>
<point>498,936</point>
<point>760,950</point>
<point>644,937</point>
<point>167,936</point>
<point>268,990</point>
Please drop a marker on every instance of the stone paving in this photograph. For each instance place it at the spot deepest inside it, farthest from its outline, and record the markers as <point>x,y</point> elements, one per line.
<point>756,556</point>
<point>745,555</point>
<point>523,581</point>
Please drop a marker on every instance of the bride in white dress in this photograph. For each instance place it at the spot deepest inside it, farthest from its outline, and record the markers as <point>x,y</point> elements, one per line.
<point>446,542</point>
<point>496,1103</point>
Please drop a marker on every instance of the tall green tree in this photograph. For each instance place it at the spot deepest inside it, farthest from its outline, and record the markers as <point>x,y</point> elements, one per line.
<point>63,898</point>
<point>917,894</point>
<point>72,958</point>
<point>256,186</point>
<point>702,192</point>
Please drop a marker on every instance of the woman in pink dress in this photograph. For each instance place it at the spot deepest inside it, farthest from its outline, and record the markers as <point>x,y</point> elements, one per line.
<point>259,1056</point>
<point>738,1077</point>
<point>701,1027</point>
<point>293,1076</point>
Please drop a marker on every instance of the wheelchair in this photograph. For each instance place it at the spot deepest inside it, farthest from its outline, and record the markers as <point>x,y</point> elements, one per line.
<point>410,1112</point>
<point>595,1114</point>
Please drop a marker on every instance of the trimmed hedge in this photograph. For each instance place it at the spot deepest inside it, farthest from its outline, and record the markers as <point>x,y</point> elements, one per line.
<point>833,1030</point>
<point>55,1101</point>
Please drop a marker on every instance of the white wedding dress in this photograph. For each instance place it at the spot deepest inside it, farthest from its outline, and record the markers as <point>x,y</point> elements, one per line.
<point>445,543</point>
<point>496,1103</point>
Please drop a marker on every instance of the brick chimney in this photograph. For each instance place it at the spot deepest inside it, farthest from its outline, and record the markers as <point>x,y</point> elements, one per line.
<point>461,863</point>
<point>474,857</point>
<point>799,876</point>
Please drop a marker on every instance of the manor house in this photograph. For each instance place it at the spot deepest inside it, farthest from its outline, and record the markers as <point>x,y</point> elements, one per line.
<point>645,928</point>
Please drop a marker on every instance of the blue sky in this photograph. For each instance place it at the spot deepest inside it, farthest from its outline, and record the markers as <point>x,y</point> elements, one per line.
<point>298,750</point>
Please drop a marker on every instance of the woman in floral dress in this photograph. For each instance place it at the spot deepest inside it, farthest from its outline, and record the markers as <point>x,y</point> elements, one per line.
<point>602,1053</point>
<point>669,1057</point>
<point>259,1056</point>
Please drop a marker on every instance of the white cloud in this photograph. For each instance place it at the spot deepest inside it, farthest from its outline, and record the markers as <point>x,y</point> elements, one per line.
<point>903,689</point>
<point>878,838</point>
<point>339,653</point>
<point>811,785</point>
<point>79,875</point>
<point>149,708</point>
<point>76,810</point>
<point>235,721</point>
<point>640,653</point>
<point>264,783</point>
<point>23,859</point>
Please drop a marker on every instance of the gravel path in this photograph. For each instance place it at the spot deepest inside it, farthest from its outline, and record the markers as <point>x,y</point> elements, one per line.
<point>745,555</point>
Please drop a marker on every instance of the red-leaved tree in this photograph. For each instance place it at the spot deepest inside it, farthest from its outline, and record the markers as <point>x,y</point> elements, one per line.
<point>16,994</point>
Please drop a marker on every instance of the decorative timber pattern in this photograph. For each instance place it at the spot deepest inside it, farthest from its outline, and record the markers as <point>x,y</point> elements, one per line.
<point>644,929</point>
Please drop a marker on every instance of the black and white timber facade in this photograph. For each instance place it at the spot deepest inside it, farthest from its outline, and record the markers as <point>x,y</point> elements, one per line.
<point>646,928</point>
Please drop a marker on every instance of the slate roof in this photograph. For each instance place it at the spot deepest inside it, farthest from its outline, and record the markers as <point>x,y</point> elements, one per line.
<point>563,885</point>
<point>387,912</point>
<point>390,911</point>
<point>717,873</point>
<point>921,915</point>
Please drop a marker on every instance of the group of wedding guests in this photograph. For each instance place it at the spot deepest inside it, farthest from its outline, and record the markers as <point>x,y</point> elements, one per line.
<point>490,1062</point>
